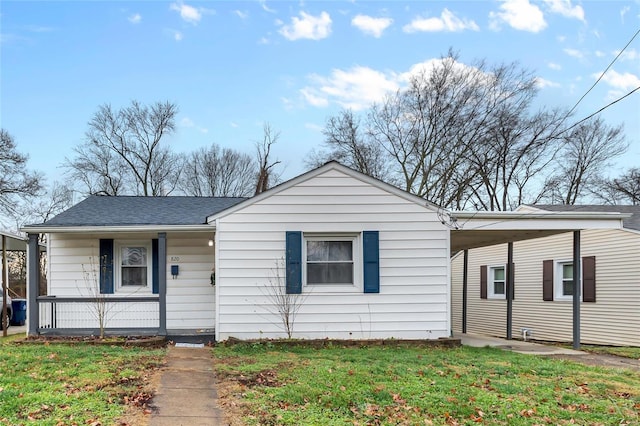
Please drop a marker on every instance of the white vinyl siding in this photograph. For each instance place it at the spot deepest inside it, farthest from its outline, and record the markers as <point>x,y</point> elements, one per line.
<point>614,319</point>
<point>190,296</point>
<point>413,299</point>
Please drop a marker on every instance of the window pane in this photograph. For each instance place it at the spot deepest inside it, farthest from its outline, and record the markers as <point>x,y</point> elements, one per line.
<point>134,276</point>
<point>567,271</point>
<point>567,288</point>
<point>332,251</point>
<point>340,250</point>
<point>330,273</point>
<point>317,251</point>
<point>498,274</point>
<point>498,287</point>
<point>134,256</point>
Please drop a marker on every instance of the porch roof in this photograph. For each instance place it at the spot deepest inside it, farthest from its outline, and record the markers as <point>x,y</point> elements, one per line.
<point>134,212</point>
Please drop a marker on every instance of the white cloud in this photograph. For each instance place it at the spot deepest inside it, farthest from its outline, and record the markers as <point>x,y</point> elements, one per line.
<point>446,22</point>
<point>240,14</point>
<point>623,12</point>
<point>177,36</point>
<point>266,8</point>
<point>307,27</point>
<point>564,8</point>
<point>234,124</point>
<point>518,14</point>
<point>135,18</point>
<point>625,81</point>
<point>554,66</point>
<point>314,97</point>
<point>600,54</point>
<point>544,83</point>
<point>574,53</point>
<point>628,55</point>
<point>189,123</point>
<point>188,13</point>
<point>370,25</point>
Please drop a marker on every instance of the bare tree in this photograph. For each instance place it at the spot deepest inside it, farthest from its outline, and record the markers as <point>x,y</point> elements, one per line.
<point>218,172</point>
<point>16,181</point>
<point>265,176</point>
<point>586,151</point>
<point>280,303</point>
<point>624,189</point>
<point>122,152</point>
<point>349,145</point>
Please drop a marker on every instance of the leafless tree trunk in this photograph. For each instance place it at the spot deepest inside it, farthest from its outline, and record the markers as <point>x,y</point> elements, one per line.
<point>16,181</point>
<point>216,172</point>
<point>585,152</point>
<point>122,152</point>
<point>280,303</point>
<point>265,177</point>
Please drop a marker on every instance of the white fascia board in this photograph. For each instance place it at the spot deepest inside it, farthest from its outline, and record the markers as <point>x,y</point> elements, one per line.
<point>332,165</point>
<point>544,220</point>
<point>123,228</point>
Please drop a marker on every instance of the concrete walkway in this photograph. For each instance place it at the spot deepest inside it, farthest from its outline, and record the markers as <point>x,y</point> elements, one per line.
<point>550,351</point>
<point>187,390</point>
<point>518,346</point>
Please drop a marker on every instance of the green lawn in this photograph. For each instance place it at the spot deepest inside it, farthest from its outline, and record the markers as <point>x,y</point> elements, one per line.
<point>51,384</point>
<point>419,385</point>
<point>623,351</point>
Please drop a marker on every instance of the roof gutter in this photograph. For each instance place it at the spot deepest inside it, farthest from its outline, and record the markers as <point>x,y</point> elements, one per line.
<point>484,215</point>
<point>119,228</point>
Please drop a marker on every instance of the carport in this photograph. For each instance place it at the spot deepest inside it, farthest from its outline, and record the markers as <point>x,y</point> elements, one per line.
<point>479,229</point>
<point>8,242</point>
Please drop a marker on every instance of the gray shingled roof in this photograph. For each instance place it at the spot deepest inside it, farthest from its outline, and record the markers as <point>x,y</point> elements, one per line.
<point>125,210</point>
<point>631,223</point>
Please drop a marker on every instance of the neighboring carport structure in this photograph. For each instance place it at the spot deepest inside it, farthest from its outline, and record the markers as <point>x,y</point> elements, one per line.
<point>8,242</point>
<point>480,229</point>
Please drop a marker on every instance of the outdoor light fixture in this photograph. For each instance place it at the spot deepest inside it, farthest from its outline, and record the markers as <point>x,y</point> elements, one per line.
<point>210,243</point>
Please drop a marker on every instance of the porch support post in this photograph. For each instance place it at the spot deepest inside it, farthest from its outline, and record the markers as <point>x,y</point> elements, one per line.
<point>5,283</point>
<point>576,289</point>
<point>509,289</point>
<point>162,282</point>
<point>33,284</point>
<point>465,277</point>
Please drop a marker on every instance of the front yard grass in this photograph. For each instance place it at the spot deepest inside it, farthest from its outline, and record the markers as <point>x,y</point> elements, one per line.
<point>623,351</point>
<point>396,384</point>
<point>61,384</point>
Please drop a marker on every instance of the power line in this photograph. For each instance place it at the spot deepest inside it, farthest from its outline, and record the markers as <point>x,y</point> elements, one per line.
<point>599,111</point>
<point>603,73</point>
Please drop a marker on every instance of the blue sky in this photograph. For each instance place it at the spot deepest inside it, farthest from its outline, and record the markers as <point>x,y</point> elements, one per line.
<point>231,66</point>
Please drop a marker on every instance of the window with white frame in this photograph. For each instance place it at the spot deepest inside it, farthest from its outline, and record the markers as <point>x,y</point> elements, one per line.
<point>563,281</point>
<point>330,260</point>
<point>134,261</point>
<point>497,282</point>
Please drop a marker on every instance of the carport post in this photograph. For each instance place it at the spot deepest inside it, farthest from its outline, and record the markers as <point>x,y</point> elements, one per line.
<point>465,275</point>
<point>4,286</point>
<point>33,283</point>
<point>509,289</point>
<point>576,289</point>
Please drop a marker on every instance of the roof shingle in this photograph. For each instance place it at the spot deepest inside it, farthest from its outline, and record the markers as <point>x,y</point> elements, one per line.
<point>131,210</point>
<point>632,222</point>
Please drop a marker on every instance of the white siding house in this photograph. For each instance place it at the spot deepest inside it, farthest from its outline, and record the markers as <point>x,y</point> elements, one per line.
<point>363,260</point>
<point>610,308</point>
<point>335,205</point>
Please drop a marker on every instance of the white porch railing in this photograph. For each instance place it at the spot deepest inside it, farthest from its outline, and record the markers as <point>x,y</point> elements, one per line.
<point>81,315</point>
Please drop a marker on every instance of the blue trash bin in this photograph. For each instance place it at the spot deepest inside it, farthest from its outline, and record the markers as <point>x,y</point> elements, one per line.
<point>19,308</point>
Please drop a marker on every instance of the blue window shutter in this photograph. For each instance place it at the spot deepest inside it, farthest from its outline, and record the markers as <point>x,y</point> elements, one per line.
<point>106,266</point>
<point>154,266</point>
<point>371,261</point>
<point>294,262</point>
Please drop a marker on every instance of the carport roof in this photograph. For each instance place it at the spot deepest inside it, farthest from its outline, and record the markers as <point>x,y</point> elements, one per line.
<point>479,229</point>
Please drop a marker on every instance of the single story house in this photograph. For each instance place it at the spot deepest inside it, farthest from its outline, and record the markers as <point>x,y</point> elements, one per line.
<point>542,300</point>
<point>334,252</point>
